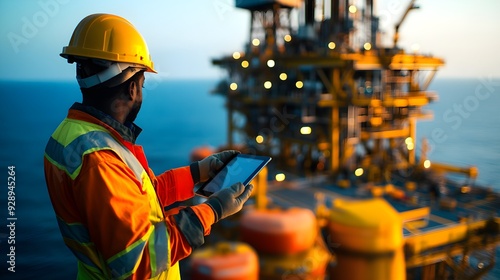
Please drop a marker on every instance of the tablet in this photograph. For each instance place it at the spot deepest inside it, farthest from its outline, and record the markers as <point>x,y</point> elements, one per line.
<point>242,168</point>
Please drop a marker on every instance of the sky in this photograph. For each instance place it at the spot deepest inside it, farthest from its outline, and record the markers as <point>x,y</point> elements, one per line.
<point>183,36</point>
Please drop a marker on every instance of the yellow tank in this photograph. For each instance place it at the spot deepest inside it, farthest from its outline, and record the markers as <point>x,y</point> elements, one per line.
<point>367,237</point>
<point>225,261</point>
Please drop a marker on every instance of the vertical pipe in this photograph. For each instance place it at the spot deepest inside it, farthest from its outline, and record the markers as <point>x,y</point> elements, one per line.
<point>334,11</point>
<point>335,140</point>
<point>252,18</point>
<point>370,23</point>
<point>261,185</point>
<point>336,84</point>
<point>276,26</point>
<point>335,123</point>
<point>310,6</point>
<point>346,16</point>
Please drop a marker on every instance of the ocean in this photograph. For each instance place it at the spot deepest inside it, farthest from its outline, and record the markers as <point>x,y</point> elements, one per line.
<point>177,116</point>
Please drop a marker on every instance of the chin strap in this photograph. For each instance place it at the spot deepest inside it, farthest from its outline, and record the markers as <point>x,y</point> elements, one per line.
<point>126,69</point>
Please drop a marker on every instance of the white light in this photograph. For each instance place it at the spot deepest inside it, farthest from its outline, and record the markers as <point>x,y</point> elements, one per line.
<point>268,84</point>
<point>331,45</point>
<point>409,141</point>
<point>299,84</point>
<point>245,64</point>
<point>358,172</point>
<point>287,38</point>
<point>236,55</point>
<point>410,146</point>
<point>270,63</point>
<point>427,163</point>
<point>256,42</point>
<point>283,76</point>
<point>259,139</point>
<point>353,9</point>
<point>233,86</point>
<point>367,46</point>
<point>280,177</point>
<point>305,130</point>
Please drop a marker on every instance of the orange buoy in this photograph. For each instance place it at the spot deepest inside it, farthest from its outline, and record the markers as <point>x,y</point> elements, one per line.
<point>200,153</point>
<point>278,231</point>
<point>225,261</point>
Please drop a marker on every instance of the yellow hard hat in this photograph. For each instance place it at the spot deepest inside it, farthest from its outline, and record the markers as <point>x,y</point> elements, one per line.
<point>110,38</point>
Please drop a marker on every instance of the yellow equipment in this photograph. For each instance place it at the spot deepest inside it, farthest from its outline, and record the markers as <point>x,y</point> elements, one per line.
<point>367,235</point>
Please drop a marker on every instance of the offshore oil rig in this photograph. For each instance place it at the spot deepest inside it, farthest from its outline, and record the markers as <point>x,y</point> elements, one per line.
<point>347,196</point>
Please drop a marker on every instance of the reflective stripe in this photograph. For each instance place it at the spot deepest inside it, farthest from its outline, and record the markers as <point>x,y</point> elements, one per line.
<point>84,258</point>
<point>73,139</point>
<point>75,231</point>
<point>69,129</point>
<point>156,214</point>
<point>77,239</point>
<point>157,243</point>
<point>125,263</point>
<point>70,157</point>
<point>87,254</point>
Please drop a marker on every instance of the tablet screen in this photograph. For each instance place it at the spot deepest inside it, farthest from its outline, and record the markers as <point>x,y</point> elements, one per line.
<point>241,168</point>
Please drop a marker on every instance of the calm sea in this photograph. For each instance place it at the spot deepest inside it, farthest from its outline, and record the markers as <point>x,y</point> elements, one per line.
<point>178,116</point>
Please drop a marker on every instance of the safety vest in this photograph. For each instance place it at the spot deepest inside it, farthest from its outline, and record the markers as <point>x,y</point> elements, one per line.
<point>68,145</point>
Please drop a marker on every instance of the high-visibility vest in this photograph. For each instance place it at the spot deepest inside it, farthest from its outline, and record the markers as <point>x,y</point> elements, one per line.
<point>68,145</point>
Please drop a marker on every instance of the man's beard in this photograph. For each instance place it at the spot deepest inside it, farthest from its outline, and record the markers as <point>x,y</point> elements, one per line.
<point>133,112</point>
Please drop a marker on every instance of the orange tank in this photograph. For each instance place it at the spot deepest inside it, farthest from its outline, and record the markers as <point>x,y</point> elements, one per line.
<point>278,231</point>
<point>225,261</point>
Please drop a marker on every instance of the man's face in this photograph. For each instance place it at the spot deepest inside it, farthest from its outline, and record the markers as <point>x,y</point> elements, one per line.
<point>137,102</point>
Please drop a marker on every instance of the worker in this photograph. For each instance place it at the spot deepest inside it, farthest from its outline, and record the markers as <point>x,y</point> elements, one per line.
<point>109,205</point>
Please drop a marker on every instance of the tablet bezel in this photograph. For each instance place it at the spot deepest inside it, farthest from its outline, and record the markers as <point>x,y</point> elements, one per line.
<point>264,160</point>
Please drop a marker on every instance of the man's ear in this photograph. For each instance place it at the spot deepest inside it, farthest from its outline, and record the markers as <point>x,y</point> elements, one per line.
<point>133,90</point>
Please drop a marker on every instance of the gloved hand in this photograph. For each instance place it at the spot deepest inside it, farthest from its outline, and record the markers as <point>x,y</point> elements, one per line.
<point>209,166</point>
<point>229,201</point>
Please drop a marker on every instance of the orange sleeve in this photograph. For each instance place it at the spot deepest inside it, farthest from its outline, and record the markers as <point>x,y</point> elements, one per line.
<point>188,226</point>
<point>174,185</point>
